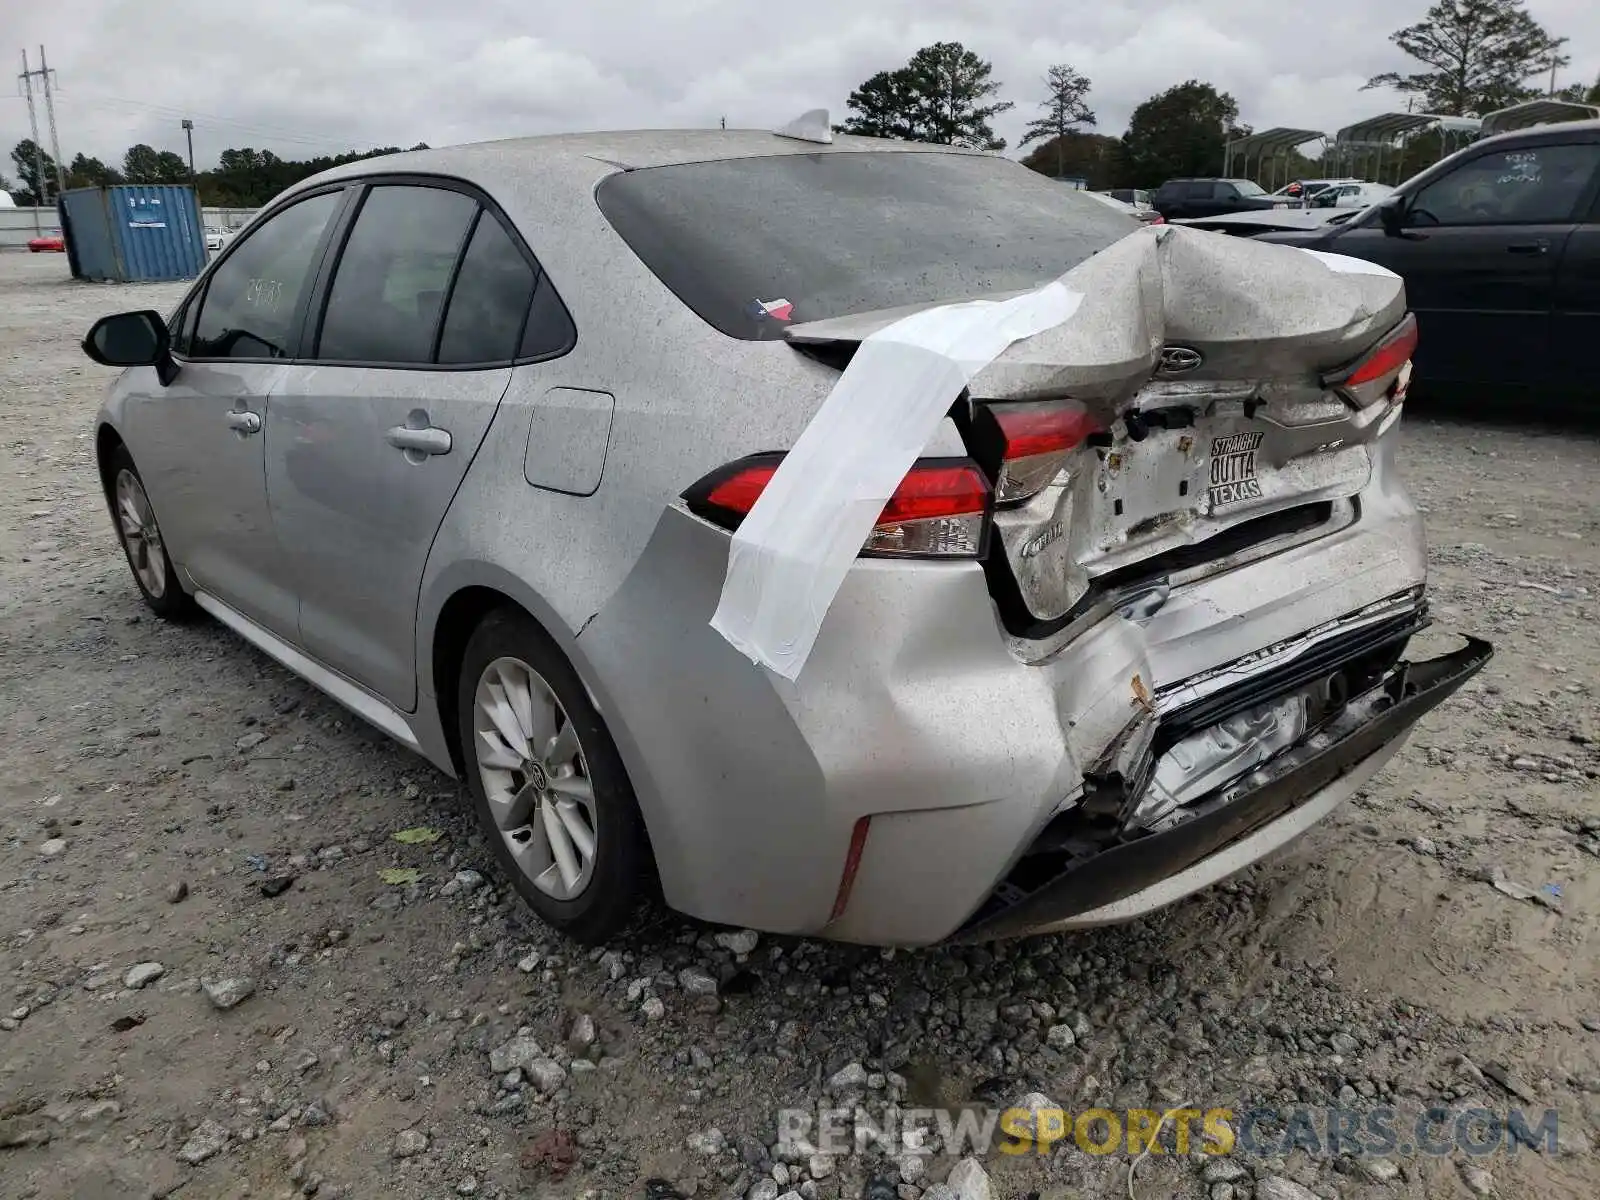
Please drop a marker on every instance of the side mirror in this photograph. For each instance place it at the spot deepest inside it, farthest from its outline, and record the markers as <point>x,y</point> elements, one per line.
<point>132,339</point>
<point>1392,215</point>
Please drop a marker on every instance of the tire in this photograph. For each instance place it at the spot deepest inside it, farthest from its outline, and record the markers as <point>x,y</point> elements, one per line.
<point>142,544</point>
<point>527,810</point>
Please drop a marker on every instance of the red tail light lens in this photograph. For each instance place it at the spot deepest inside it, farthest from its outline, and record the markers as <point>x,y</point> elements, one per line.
<point>940,509</point>
<point>738,493</point>
<point>1370,377</point>
<point>1036,441</point>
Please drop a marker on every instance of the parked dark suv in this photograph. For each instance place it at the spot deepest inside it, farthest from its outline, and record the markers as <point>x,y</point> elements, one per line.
<point>1210,197</point>
<point>1499,245</point>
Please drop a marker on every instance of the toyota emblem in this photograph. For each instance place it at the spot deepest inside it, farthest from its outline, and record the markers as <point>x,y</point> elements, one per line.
<point>1178,360</point>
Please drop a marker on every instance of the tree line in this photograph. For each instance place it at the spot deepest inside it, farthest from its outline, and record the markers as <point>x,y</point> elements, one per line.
<point>242,178</point>
<point>1473,56</point>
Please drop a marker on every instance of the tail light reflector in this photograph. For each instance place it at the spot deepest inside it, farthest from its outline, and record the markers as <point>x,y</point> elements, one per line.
<point>1036,441</point>
<point>852,864</point>
<point>940,509</point>
<point>1370,377</point>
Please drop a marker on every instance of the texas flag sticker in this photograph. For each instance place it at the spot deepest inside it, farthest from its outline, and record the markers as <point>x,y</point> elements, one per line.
<point>778,310</point>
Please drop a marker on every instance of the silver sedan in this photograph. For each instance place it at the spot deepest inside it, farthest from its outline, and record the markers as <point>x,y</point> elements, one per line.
<point>464,437</point>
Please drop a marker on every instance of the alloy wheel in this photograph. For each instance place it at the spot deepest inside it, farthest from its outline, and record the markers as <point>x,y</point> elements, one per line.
<point>136,521</point>
<point>535,777</point>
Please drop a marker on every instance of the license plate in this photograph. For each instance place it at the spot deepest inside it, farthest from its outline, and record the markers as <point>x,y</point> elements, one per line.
<point>1233,468</point>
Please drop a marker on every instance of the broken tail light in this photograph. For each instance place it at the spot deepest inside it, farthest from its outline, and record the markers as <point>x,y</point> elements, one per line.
<point>940,509</point>
<point>1027,445</point>
<point>1381,370</point>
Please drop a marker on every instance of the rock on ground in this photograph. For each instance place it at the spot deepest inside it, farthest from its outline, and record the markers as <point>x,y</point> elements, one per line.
<point>970,1181</point>
<point>229,993</point>
<point>208,1139</point>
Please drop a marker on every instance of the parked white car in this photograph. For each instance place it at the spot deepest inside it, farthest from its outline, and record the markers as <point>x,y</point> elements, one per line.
<point>1301,191</point>
<point>1356,194</point>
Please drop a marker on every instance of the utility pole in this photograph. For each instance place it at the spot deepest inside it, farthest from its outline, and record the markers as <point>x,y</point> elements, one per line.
<point>38,151</point>
<point>50,111</point>
<point>188,132</point>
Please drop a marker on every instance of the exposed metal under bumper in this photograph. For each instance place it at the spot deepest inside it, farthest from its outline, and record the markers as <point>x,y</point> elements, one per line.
<point>1300,777</point>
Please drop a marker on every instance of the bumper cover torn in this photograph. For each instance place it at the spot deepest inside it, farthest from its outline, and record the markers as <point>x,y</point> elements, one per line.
<point>1272,792</point>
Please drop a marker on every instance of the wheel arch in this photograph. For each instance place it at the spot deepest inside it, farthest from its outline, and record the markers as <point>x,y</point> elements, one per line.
<point>106,443</point>
<point>454,605</point>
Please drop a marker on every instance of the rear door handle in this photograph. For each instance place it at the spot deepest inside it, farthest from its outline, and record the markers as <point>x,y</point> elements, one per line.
<point>1542,246</point>
<point>244,422</point>
<point>419,442</point>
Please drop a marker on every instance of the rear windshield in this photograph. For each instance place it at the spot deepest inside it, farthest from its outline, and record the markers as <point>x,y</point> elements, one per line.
<point>754,245</point>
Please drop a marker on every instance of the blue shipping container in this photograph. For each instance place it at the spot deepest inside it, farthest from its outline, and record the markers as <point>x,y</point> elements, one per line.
<point>133,232</point>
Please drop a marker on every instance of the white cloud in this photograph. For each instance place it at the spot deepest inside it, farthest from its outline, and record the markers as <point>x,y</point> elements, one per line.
<point>303,77</point>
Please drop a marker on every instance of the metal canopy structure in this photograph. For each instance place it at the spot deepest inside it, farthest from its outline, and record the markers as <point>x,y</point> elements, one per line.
<point>1270,149</point>
<point>1377,146</point>
<point>1537,112</point>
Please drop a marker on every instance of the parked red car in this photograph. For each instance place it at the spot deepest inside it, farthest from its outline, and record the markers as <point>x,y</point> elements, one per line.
<point>51,239</point>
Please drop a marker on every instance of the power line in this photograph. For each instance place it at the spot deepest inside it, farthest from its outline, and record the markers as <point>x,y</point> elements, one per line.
<point>50,110</point>
<point>39,187</point>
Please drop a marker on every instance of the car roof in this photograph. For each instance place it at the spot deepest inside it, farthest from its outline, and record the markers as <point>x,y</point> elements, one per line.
<point>1555,131</point>
<point>583,156</point>
<point>546,187</point>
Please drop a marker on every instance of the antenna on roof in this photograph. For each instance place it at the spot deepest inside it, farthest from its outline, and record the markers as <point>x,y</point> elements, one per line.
<point>809,126</point>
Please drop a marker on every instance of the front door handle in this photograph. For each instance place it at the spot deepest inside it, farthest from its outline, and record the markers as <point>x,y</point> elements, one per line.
<point>418,443</point>
<point>1542,246</point>
<point>244,422</point>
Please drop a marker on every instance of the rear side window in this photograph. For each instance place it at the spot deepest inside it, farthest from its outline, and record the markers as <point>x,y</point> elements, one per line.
<point>390,285</point>
<point>755,244</point>
<point>490,302</point>
<point>550,330</point>
<point>253,298</point>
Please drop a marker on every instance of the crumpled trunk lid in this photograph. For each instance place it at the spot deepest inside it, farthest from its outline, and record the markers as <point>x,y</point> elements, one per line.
<point>1202,358</point>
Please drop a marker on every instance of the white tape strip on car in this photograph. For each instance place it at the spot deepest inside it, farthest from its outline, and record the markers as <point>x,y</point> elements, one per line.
<point>1346,265</point>
<point>789,556</point>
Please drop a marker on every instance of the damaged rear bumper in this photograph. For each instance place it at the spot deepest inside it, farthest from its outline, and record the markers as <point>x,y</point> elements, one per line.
<point>1241,821</point>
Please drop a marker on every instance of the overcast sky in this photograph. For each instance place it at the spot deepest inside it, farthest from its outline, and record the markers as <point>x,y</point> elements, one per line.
<point>303,77</point>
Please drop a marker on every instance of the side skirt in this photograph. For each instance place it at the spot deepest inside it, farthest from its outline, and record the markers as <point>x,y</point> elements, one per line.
<point>370,708</point>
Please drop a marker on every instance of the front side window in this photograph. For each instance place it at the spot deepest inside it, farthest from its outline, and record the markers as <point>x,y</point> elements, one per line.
<point>1533,185</point>
<point>389,287</point>
<point>253,297</point>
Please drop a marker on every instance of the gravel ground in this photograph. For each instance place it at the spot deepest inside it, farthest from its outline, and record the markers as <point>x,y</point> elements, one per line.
<point>211,988</point>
